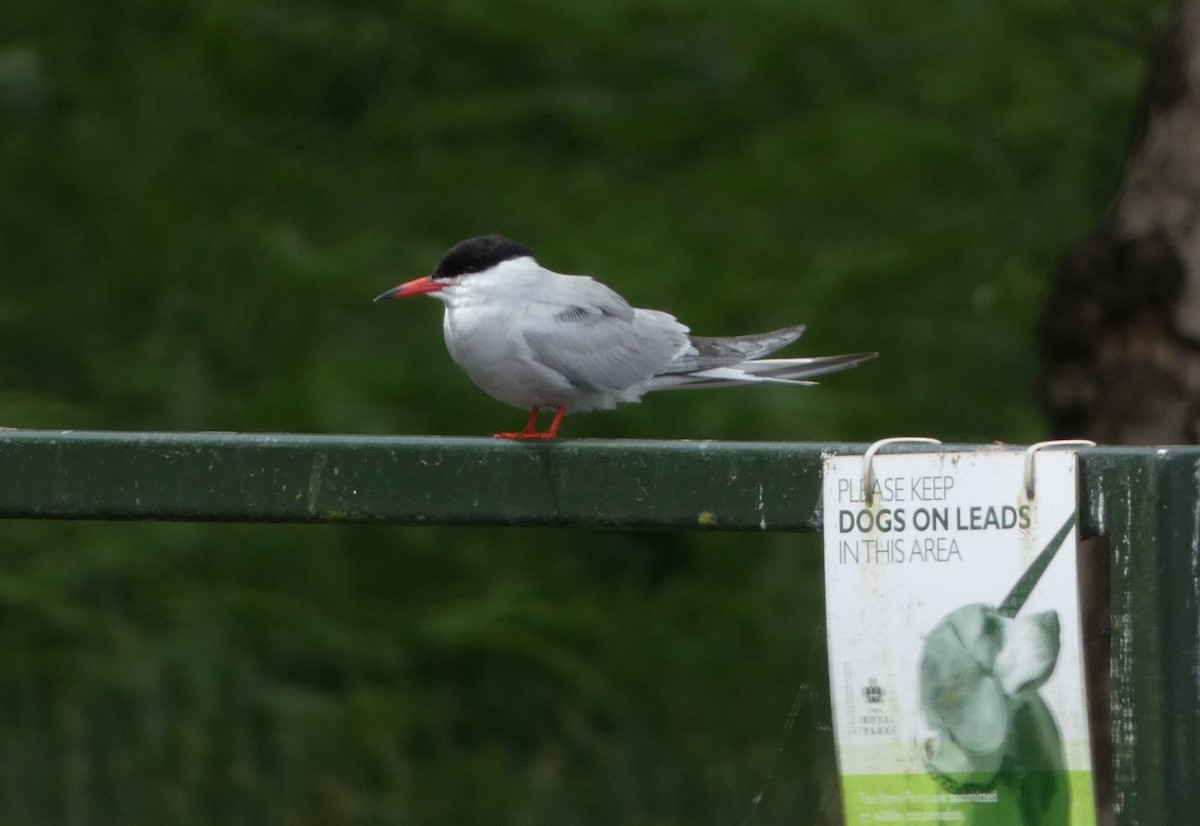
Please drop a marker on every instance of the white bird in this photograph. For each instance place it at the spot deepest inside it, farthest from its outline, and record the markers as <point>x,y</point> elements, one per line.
<point>536,339</point>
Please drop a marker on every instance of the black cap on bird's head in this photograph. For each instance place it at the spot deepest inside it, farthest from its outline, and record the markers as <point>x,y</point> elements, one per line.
<point>479,254</point>
<point>470,256</point>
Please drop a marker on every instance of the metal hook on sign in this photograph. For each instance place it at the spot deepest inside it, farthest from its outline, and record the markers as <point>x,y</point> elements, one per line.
<point>1050,445</point>
<point>869,457</point>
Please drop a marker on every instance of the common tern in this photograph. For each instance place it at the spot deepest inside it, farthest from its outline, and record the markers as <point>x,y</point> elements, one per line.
<point>536,339</point>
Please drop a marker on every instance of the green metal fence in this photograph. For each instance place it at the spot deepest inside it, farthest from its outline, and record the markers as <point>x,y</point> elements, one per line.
<point>1140,505</point>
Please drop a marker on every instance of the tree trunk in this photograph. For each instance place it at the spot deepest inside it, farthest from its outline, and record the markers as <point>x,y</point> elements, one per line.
<point>1120,338</point>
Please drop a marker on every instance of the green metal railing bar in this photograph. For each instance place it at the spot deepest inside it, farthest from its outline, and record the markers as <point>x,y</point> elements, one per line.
<point>409,480</point>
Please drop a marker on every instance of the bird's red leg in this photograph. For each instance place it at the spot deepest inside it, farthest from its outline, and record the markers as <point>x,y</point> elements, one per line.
<point>558,417</point>
<point>530,431</point>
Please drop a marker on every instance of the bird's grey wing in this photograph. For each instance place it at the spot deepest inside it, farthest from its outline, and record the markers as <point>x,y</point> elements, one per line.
<point>706,352</point>
<point>594,338</point>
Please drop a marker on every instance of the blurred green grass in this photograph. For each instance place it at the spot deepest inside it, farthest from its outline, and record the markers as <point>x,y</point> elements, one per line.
<point>201,200</point>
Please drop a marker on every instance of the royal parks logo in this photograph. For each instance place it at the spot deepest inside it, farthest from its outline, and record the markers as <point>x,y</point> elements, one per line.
<point>875,721</point>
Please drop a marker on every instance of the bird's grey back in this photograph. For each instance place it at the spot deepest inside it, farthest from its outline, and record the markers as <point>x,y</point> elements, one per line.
<point>596,340</point>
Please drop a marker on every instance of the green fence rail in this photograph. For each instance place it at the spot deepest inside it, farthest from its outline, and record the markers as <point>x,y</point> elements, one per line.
<point>400,480</point>
<point>1144,503</point>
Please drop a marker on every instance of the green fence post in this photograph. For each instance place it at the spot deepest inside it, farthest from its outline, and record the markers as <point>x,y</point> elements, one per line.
<point>1147,502</point>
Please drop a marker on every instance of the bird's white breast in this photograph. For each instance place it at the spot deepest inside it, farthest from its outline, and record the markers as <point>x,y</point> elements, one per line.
<point>484,337</point>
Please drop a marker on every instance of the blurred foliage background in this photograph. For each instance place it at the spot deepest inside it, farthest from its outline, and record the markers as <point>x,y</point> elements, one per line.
<point>200,200</point>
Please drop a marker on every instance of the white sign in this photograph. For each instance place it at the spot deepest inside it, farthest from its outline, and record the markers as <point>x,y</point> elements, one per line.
<point>955,657</point>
